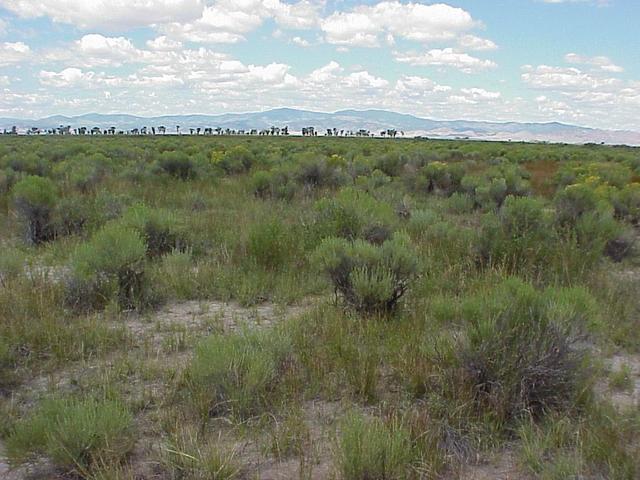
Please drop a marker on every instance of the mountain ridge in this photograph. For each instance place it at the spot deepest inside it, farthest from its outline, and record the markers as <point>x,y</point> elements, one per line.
<point>374,120</point>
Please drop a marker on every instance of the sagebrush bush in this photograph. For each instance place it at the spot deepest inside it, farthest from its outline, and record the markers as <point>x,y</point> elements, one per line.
<point>110,265</point>
<point>576,200</point>
<point>73,215</point>
<point>237,373</point>
<point>518,360</point>
<point>77,435</point>
<point>318,172</point>
<point>441,178</point>
<point>236,160</point>
<point>160,229</point>
<point>350,213</point>
<point>35,199</point>
<point>371,279</point>
<point>178,165</point>
<point>626,203</point>
<point>368,449</point>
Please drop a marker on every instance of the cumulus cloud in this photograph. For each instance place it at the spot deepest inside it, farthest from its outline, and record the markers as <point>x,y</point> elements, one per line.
<point>111,14</point>
<point>13,52</point>
<point>471,42</point>
<point>549,77</point>
<point>227,21</point>
<point>447,57</point>
<point>364,25</point>
<point>600,62</point>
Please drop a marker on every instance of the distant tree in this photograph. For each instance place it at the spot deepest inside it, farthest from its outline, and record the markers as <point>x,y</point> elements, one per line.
<point>178,129</point>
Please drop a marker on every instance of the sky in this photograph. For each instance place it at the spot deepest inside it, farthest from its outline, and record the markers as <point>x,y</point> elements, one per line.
<point>571,61</point>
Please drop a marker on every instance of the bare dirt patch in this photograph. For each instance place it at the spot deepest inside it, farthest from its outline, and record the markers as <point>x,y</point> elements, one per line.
<point>502,466</point>
<point>206,317</point>
<point>622,398</point>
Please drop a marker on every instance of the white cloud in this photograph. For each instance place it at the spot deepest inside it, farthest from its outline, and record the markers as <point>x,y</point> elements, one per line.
<point>301,42</point>
<point>13,52</point>
<point>164,44</point>
<point>4,81</point>
<point>365,80</point>
<point>68,77</point>
<point>447,57</point>
<point>600,62</point>
<point>111,14</point>
<point>363,25</point>
<point>548,77</point>
<point>227,21</point>
<point>471,42</point>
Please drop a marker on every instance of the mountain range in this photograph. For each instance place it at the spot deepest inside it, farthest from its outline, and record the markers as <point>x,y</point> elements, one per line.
<point>347,120</point>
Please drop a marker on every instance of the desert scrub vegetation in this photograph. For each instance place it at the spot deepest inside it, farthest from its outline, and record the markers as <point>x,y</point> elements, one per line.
<point>78,436</point>
<point>246,307</point>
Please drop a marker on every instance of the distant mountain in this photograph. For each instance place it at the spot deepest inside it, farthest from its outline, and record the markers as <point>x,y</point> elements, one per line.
<point>348,120</point>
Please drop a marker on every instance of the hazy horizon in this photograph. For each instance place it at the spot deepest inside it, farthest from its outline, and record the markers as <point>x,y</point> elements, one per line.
<point>526,61</point>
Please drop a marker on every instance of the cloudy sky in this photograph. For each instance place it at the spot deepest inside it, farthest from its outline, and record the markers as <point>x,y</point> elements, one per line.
<point>575,61</point>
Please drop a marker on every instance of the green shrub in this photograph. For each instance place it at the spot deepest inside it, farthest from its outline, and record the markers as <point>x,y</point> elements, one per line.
<point>237,373</point>
<point>460,203</point>
<point>574,201</point>
<point>317,172</point>
<point>520,238</point>
<point>421,221</point>
<point>72,215</point>
<point>35,199</point>
<point>626,203</point>
<point>77,435</point>
<point>370,450</point>
<point>442,178</point>
<point>237,160</point>
<point>160,229</point>
<point>278,183</point>
<point>371,279</point>
<point>178,165</point>
<point>518,361</point>
<point>350,213</point>
<point>110,264</point>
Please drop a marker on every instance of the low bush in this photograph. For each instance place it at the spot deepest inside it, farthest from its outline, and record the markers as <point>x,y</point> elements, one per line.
<point>73,215</point>
<point>441,178</point>
<point>318,172</point>
<point>35,199</point>
<point>350,213</point>
<point>177,164</point>
<point>371,279</point>
<point>160,229</point>
<point>626,203</point>
<point>77,435</point>
<point>236,160</point>
<point>110,265</point>
<point>517,360</point>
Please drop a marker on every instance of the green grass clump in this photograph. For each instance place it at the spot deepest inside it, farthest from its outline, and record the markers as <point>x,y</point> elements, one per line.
<point>77,435</point>
<point>368,449</point>
<point>237,374</point>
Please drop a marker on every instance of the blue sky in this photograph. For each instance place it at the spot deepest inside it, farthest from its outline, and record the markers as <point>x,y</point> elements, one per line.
<point>575,61</point>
